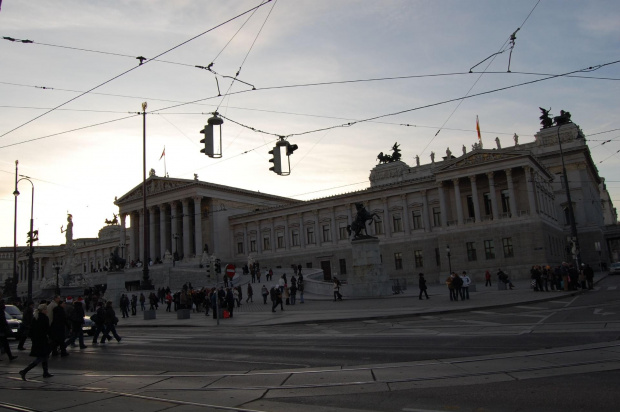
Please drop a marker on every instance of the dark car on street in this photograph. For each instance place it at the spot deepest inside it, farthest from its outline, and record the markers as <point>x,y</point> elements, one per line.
<point>14,326</point>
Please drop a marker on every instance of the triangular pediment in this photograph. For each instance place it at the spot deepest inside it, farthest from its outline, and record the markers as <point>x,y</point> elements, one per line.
<point>154,185</point>
<point>479,157</point>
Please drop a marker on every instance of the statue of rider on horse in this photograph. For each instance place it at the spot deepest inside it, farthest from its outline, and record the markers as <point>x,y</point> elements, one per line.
<point>359,223</point>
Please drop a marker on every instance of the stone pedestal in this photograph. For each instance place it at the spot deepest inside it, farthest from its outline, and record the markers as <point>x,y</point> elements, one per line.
<point>368,277</point>
<point>116,287</point>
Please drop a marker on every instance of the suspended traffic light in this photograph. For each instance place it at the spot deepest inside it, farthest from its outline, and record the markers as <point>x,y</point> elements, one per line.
<point>280,159</point>
<point>276,159</point>
<point>213,137</point>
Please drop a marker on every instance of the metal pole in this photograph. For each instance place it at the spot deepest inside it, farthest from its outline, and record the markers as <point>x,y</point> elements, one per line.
<point>31,257</point>
<point>449,260</point>
<point>571,213</point>
<point>15,277</point>
<point>145,268</point>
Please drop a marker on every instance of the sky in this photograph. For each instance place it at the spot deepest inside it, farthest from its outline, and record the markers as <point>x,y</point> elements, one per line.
<point>342,79</point>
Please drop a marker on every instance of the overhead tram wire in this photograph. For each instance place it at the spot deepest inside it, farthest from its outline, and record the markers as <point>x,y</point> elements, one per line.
<point>133,68</point>
<point>353,122</point>
<point>493,56</point>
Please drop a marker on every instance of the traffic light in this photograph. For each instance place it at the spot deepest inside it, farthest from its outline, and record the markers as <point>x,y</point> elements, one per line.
<point>213,147</point>
<point>218,266</point>
<point>276,160</point>
<point>290,148</point>
<point>32,237</point>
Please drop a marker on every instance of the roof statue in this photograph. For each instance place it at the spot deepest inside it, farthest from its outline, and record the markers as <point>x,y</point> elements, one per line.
<point>394,157</point>
<point>545,120</point>
<point>113,221</point>
<point>69,230</point>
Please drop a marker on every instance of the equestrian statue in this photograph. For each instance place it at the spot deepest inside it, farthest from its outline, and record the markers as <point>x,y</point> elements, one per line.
<point>359,223</point>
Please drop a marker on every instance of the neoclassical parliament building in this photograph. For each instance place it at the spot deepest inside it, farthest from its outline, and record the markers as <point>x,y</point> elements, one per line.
<point>499,207</point>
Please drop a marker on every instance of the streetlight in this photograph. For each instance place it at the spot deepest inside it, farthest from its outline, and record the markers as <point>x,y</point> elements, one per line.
<point>562,119</point>
<point>146,282</point>
<point>449,261</point>
<point>15,277</point>
<point>122,246</point>
<point>56,266</point>
<point>32,235</point>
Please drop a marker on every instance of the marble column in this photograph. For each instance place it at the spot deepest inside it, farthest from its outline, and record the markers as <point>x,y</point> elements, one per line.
<point>173,227</point>
<point>529,183</point>
<point>152,233</point>
<point>494,209</point>
<point>459,202</point>
<point>317,229</point>
<point>186,234</point>
<point>198,225</point>
<point>405,216</point>
<point>442,205</point>
<point>426,219</point>
<point>511,194</point>
<point>333,227</point>
<point>123,236</point>
<point>302,234</point>
<point>387,223</point>
<point>259,239</point>
<point>163,236</point>
<point>474,197</point>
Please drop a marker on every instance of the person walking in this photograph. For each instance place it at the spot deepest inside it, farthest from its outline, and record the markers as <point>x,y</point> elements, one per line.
<point>58,329</point>
<point>5,331</point>
<point>465,288</point>
<point>487,278</point>
<point>422,286</point>
<point>39,335</point>
<point>76,320</point>
<point>98,318</point>
<point>134,304</point>
<point>451,290</point>
<point>250,297</point>
<point>337,294</point>
<point>25,328</point>
<point>300,287</point>
<point>110,320</point>
<point>265,293</point>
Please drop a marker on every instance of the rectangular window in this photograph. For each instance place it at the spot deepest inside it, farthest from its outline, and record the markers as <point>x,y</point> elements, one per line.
<point>240,247</point>
<point>488,206</point>
<point>253,245</point>
<point>398,260</point>
<point>471,251</point>
<point>419,259</point>
<point>266,243</point>
<point>310,236</point>
<point>280,240</point>
<point>378,227</point>
<point>505,201</point>
<point>343,266</point>
<point>489,249</point>
<point>398,223</point>
<point>507,245</point>
<point>436,216</point>
<point>295,238</point>
<point>417,220</point>
<point>327,237</point>
<point>470,206</point>
<point>342,231</point>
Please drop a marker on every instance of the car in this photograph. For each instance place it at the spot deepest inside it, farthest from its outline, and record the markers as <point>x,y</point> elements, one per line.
<point>614,268</point>
<point>13,311</point>
<point>89,326</point>
<point>14,325</point>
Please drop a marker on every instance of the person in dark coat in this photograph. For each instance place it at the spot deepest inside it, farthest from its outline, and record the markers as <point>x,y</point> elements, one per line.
<point>422,286</point>
<point>77,320</point>
<point>39,334</point>
<point>110,320</point>
<point>98,319</point>
<point>5,331</point>
<point>58,330</point>
<point>230,301</point>
<point>26,321</point>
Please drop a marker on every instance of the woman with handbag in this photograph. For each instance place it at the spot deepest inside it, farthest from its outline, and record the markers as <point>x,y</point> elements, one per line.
<point>40,336</point>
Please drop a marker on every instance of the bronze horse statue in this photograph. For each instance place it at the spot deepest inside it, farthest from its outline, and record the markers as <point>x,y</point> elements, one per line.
<point>359,223</point>
<point>116,262</point>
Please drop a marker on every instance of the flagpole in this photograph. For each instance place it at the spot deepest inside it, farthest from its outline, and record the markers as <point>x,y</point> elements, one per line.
<point>165,170</point>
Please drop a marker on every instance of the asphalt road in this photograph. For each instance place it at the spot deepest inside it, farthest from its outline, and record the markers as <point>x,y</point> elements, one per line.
<point>567,321</point>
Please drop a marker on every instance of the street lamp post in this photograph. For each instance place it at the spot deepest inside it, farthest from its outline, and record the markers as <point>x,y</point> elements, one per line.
<point>561,120</point>
<point>15,277</point>
<point>449,260</point>
<point>122,246</point>
<point>146,282</point>
<point>32,235</point>
<point>57,267</point>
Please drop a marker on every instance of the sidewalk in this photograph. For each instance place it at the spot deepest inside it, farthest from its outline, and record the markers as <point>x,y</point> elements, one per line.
<point>317,309</point>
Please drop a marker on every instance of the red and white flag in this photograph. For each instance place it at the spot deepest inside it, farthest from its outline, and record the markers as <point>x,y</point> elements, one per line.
<point>164,152</point>
<point>478,129</point>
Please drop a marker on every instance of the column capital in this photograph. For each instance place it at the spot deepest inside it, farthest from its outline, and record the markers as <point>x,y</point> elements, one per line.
<point>455,181</point>
<point>508,172</point>
<point>490,175</point>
